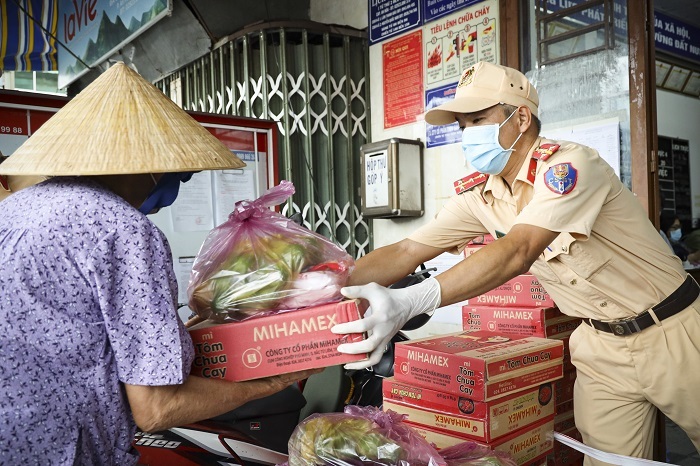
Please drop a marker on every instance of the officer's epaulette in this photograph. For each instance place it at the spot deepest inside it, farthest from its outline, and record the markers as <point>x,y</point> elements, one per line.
<point>469,181</point>
<point>4,183</point>
<point>545,151</point>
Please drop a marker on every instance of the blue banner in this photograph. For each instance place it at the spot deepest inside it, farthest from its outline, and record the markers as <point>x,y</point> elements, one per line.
<point>670,35</point>
<point>433,9</point>
<point>445,134</point>
<point>25,45</point>
<point>677,38</point>
<point>388,18</point>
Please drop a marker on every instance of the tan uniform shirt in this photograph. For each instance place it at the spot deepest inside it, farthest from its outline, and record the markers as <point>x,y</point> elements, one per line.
<point>608,262</point>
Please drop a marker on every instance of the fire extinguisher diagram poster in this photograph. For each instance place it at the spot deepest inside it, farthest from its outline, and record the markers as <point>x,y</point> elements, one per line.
<point>452,44</point>
<point>459,40</point>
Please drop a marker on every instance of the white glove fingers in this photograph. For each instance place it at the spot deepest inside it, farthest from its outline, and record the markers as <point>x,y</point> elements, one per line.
<point>356,326</point>
<point>373,359</point>
<point>365,346</point>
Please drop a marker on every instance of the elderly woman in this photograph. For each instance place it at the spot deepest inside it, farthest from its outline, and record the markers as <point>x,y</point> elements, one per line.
<point>90,341</point>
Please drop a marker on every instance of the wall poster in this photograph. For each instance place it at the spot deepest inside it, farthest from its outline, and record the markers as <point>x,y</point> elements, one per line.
<point>451,44</point>
<point>403,79</point>
<point>674,178</point>
<point>459,40</point>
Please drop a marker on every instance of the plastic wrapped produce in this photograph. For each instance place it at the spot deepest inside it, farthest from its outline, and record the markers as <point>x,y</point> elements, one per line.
<point>259,262</point>
<point>365,435</point>
<point>359,436</point>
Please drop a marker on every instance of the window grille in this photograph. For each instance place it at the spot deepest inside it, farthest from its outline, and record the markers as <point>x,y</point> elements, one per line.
<point>571,28</point>
<point>313,80</point>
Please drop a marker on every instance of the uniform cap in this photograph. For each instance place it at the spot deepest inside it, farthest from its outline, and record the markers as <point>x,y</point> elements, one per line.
<point>119,124</point>
<point>482,86</point>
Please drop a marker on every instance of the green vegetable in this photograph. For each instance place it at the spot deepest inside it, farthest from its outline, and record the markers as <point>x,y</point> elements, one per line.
<point>334,439</point>
<point>254,276</point>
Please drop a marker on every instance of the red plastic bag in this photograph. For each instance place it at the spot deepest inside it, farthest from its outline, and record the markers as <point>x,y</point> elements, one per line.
<point>473,454</point>
<point>259,262</point>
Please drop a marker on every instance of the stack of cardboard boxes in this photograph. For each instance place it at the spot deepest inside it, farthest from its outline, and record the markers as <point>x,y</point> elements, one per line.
<point>493,389</point>
<point>522,306</point>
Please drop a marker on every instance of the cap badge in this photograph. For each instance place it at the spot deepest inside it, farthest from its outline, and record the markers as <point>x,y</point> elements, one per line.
<point>467,77</point>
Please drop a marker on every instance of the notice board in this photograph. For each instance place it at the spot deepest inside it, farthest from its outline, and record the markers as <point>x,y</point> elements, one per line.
<point>674,178</point>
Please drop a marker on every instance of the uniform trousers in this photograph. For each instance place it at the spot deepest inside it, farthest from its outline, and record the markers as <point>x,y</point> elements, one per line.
<point>621,380</point>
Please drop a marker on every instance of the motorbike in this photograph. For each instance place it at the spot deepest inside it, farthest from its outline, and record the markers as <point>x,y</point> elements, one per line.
<point>257,432</point>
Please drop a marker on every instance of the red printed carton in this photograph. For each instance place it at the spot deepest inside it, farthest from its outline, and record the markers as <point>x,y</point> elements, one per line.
<point>479,365</point>
<point>564,387</point>
<point>521,291</point>
<point>478,420</point>
<point>563,455</point>
<point>476,244</point>
<point>286,342</point>
<point>525,446</point>
<point>537,322</point>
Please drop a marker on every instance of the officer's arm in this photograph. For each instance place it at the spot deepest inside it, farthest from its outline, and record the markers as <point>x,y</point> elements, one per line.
<point>389,264</point>
<point>495,263</point>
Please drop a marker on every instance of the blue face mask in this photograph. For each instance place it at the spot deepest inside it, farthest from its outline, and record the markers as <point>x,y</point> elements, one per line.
<point>676,235</point>
<point>483,151</point>
<point>164,192</point>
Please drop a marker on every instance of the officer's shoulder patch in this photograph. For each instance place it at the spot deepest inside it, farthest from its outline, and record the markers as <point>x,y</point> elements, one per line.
<point>561,178</point>
<point>469,181</point>
<point>545,151</point>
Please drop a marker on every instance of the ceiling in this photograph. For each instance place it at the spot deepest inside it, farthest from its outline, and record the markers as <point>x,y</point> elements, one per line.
<point>221,18</point>
<point>206,22</point>
<point>687,11</point>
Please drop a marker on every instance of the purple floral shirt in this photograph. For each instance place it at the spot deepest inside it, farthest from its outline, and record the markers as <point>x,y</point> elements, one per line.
<point>87,302</point>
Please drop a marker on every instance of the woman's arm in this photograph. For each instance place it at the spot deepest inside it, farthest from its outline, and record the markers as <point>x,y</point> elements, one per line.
<point>161,407</point>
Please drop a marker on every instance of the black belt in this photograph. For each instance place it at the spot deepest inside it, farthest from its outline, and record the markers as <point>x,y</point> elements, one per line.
<point>684,296</point>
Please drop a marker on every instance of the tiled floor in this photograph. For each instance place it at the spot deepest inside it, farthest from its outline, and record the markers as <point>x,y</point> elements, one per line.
<point>679,449</point>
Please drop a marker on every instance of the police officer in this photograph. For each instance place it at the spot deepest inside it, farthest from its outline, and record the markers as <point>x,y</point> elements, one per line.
<point>562,214</point>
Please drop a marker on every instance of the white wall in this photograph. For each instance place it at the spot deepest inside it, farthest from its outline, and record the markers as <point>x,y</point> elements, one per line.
<point>441,165</point>
<point>678,116</point>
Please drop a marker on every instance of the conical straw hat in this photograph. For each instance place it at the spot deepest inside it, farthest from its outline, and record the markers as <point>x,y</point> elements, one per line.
<point>119,124</point>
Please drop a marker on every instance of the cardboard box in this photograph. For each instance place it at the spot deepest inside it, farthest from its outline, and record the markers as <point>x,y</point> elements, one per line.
<point>564,421</point>
<point>565,340</point>
<point>479,365</point>
<point>521,291</point>
<point>564,387</point>
<point>478,420</point>
<point>471,249</point>
<point>564,407</point>
<point>476,244</point>
<point>563,455</point>
<point>277,344</point>
<point>526,446</point>
<point>537,322</point>
<point>481,240</point>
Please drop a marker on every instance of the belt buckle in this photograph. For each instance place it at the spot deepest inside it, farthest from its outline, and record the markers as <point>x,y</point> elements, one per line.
<point>624,327</point>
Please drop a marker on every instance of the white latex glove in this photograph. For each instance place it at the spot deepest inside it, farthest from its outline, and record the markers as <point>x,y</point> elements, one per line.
<point>389,309</point>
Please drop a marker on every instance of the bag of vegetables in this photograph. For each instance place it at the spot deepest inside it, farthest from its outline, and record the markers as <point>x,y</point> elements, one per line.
<point>366,435</point>
<point>362,435</point>
<point>259,262</point>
